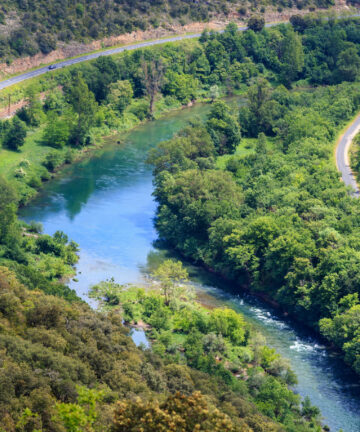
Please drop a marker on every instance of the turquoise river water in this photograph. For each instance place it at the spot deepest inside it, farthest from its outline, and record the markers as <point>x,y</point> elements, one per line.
<point>105,205</point>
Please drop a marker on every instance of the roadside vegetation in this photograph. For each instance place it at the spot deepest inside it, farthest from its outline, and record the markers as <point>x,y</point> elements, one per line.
<point>354,156</point>
<point>28,28</point>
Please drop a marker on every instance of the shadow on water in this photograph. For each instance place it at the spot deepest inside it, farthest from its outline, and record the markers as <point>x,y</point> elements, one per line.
<point>105,204</point>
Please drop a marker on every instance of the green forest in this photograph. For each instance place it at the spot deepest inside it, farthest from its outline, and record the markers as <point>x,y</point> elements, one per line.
<point>86,102</point>
<point>251,193</point>
<point>28,27</point>
<point>65,367</point>
<point>274,214</point>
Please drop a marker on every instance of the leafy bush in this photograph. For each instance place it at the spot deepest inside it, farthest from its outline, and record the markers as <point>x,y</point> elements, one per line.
<point>52,160</point>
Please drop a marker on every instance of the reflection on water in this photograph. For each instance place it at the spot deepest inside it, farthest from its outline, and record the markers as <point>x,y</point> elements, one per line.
<point>105,204</point>
<point>139,337</point>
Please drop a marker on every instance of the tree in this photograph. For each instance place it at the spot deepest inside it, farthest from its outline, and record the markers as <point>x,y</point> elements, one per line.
<point>299,23</point>
<point>223,128</point>
<point>261,112</point>
<point>309,411</point>
<point>46,42</point>
<point>256,23</point>
<point>176,413</point>
<point>214,92</point>
<point>348,65</point>
<point>275,399</point>
<point>121,94</point>
<point>8,200</point>
<point>229,324</point>
<point>182,86</point>
<point>153,75</point>
<point>54,102</point>
<point>80,416</point>
<point>192,148</point>
<point>16,135</point>
<point>52,160</point>
<point>57,131</point>
<point>257,95</point>
<point>104,72</point>
<point>190,202</point>
<point>34,111</point>
<point>170,274</point>
<point>292,57</point>
<point>84,105</point>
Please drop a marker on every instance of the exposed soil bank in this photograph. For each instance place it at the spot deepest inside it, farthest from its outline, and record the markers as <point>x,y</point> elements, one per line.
<point>76,48</point>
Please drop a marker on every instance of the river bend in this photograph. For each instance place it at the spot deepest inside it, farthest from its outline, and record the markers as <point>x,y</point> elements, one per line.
<point>105,205</point>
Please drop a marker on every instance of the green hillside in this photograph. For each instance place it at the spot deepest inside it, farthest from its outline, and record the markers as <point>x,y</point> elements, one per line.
<point>31,26</point>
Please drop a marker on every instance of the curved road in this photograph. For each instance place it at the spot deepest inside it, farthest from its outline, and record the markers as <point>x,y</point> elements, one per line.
<point>342,156</point>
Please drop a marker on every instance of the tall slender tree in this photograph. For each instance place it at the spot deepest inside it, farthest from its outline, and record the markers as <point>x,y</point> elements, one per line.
<point>153,76</point>
<point>84,105</point>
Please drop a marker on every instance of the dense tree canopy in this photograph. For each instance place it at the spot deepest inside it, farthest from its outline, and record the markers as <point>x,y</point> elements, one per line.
<point>65,367</point>
<point>278,218</point>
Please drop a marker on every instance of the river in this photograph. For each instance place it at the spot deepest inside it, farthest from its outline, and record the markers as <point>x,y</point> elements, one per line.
<point>105,205</point>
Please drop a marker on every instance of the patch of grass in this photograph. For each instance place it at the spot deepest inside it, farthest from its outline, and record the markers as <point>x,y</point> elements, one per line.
<point>178,338</point>
<point>32,151</point>
<point>245,148</point>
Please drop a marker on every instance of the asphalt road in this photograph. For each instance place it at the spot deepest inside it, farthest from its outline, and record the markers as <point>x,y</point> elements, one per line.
<point>342,156</point>
<point>341,151</point>
<point>86,57</point>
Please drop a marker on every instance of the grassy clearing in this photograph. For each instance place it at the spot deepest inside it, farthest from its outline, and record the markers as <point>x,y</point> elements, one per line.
<point>31,151</point>
<point>245,148</point>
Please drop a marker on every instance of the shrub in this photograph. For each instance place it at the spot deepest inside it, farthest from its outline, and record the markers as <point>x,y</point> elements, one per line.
<point>52,160</point>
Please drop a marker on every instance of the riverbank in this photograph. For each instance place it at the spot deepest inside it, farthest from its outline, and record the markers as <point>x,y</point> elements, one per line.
<point>105,204</point>
<point>20,167</point>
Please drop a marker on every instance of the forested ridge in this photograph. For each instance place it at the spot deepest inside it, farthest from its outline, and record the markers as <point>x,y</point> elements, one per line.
<point>65,367</point>
<point>31,26</point>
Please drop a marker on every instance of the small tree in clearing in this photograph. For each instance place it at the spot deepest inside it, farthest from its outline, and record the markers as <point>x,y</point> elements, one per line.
<point>172,276</point>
